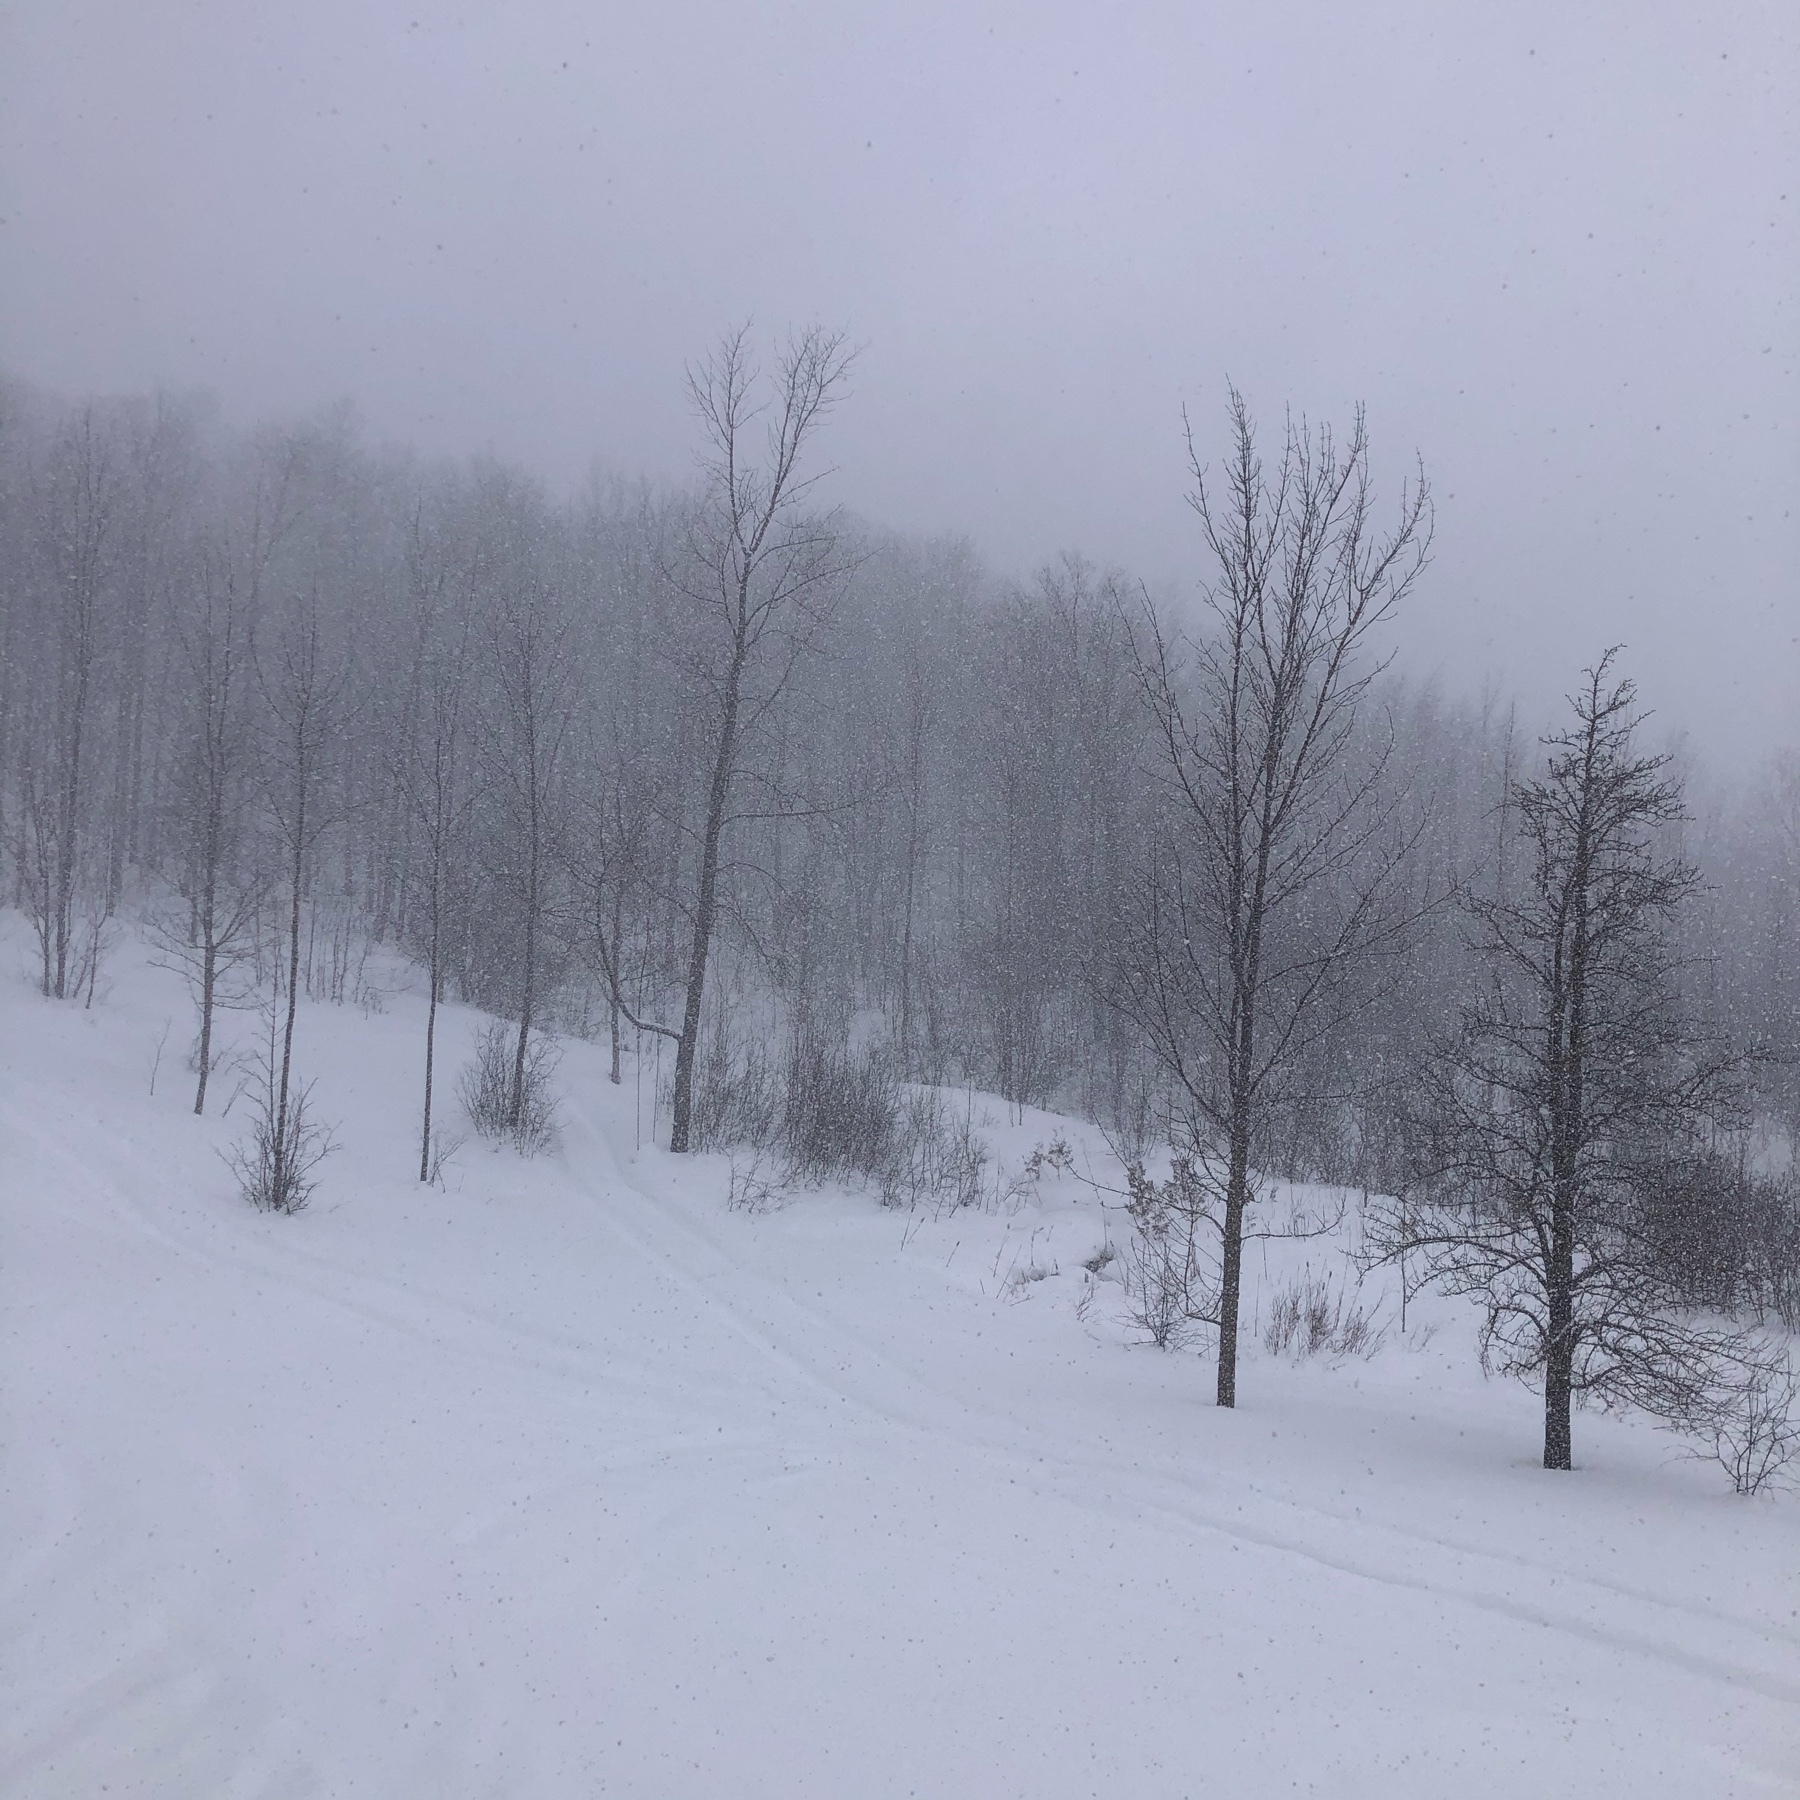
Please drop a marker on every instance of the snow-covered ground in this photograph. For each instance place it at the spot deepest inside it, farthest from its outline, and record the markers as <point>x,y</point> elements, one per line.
<point>565,1480</point>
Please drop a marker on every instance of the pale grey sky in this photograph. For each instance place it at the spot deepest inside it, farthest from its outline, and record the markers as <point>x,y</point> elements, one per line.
<point>1553,247</point>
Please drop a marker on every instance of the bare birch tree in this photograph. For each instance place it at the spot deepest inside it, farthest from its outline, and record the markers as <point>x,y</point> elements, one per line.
<point>210,935</point>
<point>533,662</point>
<point>1271,886</point>
<point>762,569</point>
<point>302,692</point>
<point>436,774</point>
<point>79,503</point>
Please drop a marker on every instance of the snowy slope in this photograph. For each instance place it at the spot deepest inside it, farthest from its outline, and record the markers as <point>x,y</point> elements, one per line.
<point>567,1481</point>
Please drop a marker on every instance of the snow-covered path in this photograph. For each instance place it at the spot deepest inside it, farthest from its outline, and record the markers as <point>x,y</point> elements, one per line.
<point>567,1482</point>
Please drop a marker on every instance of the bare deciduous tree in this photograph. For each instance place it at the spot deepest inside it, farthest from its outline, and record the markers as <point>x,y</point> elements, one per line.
<point>762,569</point>
<point>533,662</point>
<point>78,522</point>
<point>210,936</point>
<point>1575,1092</point>
<point>1270,886</point>
<point>436,777</point>
<point>301,692</point>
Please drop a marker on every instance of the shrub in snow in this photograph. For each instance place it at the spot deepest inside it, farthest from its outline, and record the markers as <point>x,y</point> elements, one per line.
<point>753,1188</point>
<point>1756,1433</point>
<point>1306,1317</point>
<point>737,1098</point>
<point>937,1156</point>
<point>842,1113</point>
<point>1051,1159</point>
<point>277,1164</point>
<point>506,1101</point>
<point>1170,1278</point>
<point>823,1113</point>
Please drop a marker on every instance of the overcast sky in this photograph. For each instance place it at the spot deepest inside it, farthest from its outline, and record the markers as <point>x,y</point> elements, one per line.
<point>1553,248</point>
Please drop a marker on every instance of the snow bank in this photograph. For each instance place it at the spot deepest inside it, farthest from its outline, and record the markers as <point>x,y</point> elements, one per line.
<point>565,1480</point>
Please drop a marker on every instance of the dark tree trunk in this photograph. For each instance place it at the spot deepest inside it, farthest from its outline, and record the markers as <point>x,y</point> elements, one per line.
<point>431,1010</point>
<point>706,908</point>
<point>1558,1378</point>
<point>1231,1259</point>
<point>279,1170</point>
<point>209,973</point>
<point>528,991</point>
<point>614,950</point>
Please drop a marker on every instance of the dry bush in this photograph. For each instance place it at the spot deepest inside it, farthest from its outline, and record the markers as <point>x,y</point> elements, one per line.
<point>1756,1434</point>
<point>753,1186</point>
<point>526,1119</point>
<point>823,1114</point>
<point>1307,1318</point>
<point>937,1158</point>
<point>737,1097</point>
<point>842,1114</point>
<point>277,1164</point>
<point>1171,1269</point>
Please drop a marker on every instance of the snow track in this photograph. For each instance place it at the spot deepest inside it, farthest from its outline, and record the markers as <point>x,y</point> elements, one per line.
<point>568,1482</point>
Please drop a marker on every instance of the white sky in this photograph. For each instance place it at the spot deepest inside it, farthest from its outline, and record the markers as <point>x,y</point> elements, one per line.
<point>1554,248</point>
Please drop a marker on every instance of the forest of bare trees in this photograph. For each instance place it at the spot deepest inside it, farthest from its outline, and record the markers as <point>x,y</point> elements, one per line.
<point>720,768</point>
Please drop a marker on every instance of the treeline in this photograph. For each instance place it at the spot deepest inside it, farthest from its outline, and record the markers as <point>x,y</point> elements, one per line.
<point>935,818</point>
<point>720,764</point>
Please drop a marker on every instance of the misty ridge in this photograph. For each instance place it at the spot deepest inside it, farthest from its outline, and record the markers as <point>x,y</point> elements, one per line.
<point>899,901</point>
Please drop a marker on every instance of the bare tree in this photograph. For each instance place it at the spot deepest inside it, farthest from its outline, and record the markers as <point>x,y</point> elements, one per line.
<point>533,662</point>
<point>436,776</point>
<point>618,824</point>
<point>762,569</point>
<point>917,725</point>
<point>1576,1095</point>
<point>210,936</point>
<point>78,519</point>
<point>606,849</point>
<point>160,479</point>
<point>302,694</point>
<point>1271,884</point>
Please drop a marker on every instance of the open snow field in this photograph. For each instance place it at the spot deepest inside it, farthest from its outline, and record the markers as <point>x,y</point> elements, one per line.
<point>565,1480</point>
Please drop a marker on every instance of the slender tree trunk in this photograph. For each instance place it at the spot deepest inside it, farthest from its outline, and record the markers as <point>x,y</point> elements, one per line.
<point>528,994</point>
<point>906,937</point>
<point>65,849</point>
<point>681,1120</point>
<point>431,1018</point>
<point>1241,1073</point>
<point>612,963</point>
<point>1231,1253</point>
<point>1559,1361</point>
<point>906,944</point>
<point>1568,1045</point>
<point>209,968</point>
<point>121,804</point>
<point>280,1171</point>
<point>1559,1270</point>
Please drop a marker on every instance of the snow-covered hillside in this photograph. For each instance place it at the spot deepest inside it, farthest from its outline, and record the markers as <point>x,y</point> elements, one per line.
<point>565,1480</point>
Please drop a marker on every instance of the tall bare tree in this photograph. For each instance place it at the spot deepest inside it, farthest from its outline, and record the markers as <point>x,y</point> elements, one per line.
<point>1577,1096</point>
<point>762,568</point>
<point>534,668</point>
<point>210,935</point>
<point>1270,887</point>
<point>79,506</point>
<point>436,775</point>
<point>302,685</point>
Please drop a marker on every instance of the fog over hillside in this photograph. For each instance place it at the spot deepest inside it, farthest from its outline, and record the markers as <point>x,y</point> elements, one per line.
<point>1555,255</point>
<point>899,901</point>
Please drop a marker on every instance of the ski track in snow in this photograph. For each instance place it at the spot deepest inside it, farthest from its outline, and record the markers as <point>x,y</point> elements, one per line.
<point>572,1482</point>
